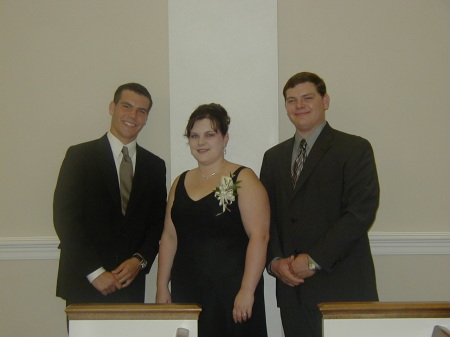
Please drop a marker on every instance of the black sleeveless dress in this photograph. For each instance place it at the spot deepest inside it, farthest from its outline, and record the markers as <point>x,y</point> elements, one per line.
<point>209,264</point>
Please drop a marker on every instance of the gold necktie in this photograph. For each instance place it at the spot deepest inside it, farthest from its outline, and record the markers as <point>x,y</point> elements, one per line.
<point>126,178</point>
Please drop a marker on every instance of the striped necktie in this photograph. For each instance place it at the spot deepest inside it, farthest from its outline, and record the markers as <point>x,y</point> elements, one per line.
<point>299,162</point>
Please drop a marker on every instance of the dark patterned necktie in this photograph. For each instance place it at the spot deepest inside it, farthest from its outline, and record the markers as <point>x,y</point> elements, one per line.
<point>299,162</point>
<point>126,178</point>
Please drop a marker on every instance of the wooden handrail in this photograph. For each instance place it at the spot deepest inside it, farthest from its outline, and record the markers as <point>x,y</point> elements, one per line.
<point>132,311</point>
<point>367,310</point>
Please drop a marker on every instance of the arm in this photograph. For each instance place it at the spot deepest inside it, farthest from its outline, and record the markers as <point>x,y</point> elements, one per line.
<point>68,215</point>
<point>154,205</point>
<point>255,214</point>
<point>276,265</point>
<point>167,250</point>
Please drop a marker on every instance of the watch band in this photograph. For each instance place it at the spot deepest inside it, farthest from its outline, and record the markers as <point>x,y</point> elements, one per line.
<point>311,264</point>
<point>142,260</point>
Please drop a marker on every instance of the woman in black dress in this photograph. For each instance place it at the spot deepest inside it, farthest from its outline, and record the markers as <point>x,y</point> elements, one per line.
<point>213,248</point>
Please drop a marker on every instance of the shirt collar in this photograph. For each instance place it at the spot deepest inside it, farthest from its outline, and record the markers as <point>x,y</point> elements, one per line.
<point>116,146</point>
<point>311,139</point>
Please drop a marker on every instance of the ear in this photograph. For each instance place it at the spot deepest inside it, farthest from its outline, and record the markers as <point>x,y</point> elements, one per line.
<point>112,105</point>
<point>326,101</point>
<point>226,138</point>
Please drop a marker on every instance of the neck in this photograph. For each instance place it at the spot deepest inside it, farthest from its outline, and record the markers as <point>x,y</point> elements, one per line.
<point>207,172</point>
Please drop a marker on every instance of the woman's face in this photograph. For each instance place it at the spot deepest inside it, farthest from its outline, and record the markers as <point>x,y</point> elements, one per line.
<point>206,144</point>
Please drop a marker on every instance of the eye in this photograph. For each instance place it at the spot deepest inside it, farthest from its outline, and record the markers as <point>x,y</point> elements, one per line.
<point>211,134</point>
<point>143,112</point>
<point>290,101</point>
<point>193,136</point>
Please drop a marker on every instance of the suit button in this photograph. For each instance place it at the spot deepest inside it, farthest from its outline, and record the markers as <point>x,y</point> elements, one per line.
<point>293,220</point>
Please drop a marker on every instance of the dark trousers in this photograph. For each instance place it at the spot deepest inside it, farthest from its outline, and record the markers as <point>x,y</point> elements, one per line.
<point>301,322</point>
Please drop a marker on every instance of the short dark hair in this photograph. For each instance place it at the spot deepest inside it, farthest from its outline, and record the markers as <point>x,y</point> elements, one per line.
<point>135,87</point>
<point>215,113</point>
<point>306,77</point>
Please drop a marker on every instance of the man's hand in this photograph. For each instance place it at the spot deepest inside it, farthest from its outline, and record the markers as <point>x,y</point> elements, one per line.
<point>127,271</point>
<point>282,270</point>
<point>106,283</point>
<point>299,267</point>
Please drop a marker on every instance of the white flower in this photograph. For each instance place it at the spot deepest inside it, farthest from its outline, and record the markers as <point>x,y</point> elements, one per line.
<point>226,192</point>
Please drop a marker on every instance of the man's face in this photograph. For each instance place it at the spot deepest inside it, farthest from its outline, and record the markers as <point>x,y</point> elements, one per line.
<point>306,107</point>
<point>129,115</point>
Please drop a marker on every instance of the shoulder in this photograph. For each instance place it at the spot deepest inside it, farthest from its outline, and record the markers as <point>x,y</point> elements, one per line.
<point>246,178</point>
<point>281,151</point>
<point>175,184</point>
<point>349,141</point>
<point>87,147</point>
<point>345,147</point>
<point>146,154</point>
<point>281,146</point>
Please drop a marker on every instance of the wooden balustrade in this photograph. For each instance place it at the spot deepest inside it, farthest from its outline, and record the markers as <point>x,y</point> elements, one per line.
<point>118,320</point>
<point>384,318</point>
<point>132,311</point>
<point>346,310</point>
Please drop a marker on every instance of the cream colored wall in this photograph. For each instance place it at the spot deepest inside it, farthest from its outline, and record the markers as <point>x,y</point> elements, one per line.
<point>386,67</point>
<point>385,63</point>
<point>61,63</point>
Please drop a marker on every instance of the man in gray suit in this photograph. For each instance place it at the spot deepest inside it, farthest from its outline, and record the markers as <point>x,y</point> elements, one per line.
<point>109,235</point>
<point>324,195</point>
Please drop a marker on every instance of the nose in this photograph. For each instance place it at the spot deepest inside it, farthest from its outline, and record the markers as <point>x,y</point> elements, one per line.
<point>300,104</point>
<point>201,140</point>
<point>133,113</point>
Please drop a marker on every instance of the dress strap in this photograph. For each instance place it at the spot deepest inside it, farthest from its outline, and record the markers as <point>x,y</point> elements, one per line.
<point>236,173</point>
<point>180,184</point>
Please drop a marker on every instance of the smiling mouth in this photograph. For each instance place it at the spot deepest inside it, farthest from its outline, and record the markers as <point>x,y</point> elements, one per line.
<point>129,124</point>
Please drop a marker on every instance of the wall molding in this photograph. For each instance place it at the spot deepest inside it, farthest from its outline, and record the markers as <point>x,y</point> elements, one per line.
<point>410,243</point>
<point>382,243</point>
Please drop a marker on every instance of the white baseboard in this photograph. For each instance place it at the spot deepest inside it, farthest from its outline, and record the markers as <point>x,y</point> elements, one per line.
<point>382,243</point>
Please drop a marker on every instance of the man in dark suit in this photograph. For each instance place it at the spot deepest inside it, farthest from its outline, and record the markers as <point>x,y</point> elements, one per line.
<point>324,195</point>
<point>109,238</point>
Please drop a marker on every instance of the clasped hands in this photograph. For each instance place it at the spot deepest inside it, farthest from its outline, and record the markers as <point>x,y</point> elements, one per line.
<point>121,277</point>
<point>292,270</point>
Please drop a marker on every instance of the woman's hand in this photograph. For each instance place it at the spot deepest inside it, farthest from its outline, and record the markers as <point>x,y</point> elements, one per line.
<point>163,296</point>
<point>243,305</point>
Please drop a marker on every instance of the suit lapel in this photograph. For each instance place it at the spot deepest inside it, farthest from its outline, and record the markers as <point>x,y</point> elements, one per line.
<point>107,167</point>
<point>320,147</point>
<point>285,166</point>
<point>141,173</point>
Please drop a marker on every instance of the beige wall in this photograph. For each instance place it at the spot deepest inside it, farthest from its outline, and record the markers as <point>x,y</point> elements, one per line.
<point>61,63</point>
<point>385,63</point>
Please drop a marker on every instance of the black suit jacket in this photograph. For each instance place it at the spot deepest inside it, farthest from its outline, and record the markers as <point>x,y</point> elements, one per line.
<point>327,215</point>
<point>89,222</point>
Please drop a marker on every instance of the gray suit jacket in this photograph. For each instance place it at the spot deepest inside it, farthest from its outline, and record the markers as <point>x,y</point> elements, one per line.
<point>327,215</point>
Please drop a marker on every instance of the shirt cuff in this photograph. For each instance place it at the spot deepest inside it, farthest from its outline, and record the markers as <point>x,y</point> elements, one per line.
<point>92,276</point>
<point>269,267</point>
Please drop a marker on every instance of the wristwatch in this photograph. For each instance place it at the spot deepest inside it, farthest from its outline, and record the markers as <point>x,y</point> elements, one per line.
<point>311,264</point>
<point>142,261</point>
